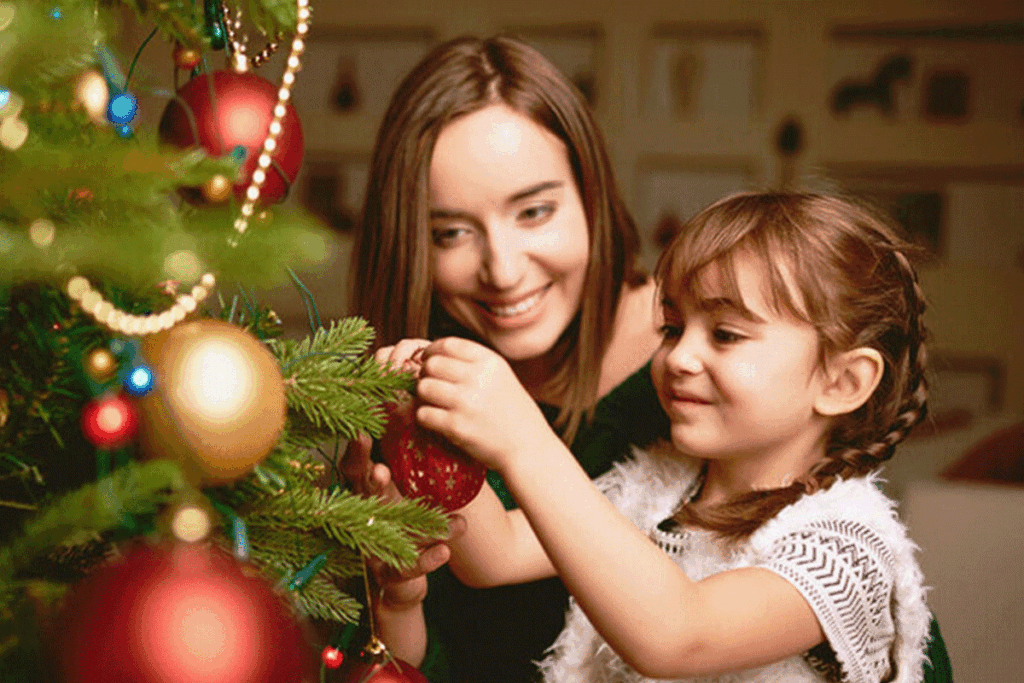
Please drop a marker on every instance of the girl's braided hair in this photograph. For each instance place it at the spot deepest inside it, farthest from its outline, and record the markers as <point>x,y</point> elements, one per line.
<point>853,281</point>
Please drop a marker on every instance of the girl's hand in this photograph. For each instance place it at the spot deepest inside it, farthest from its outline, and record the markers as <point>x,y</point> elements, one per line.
<point>471,396</point>
<point>404,355</point>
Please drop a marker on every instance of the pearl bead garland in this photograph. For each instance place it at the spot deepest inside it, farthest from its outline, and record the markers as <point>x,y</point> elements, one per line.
<point>259,176</point>
<point>93,303</point>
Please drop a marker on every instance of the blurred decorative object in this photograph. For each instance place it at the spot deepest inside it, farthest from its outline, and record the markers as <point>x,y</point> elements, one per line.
<point>92,93</point>
<point>789,140</point>
<point>875,90</point>
<point>947,95</point>
<point>684,84</point>
<point>998,458</point>
<point>586,83</point>
<point>217,189</point>
<point>109,421</point>
<point>100,364</point>
<point>374,664</point>
<point>232,110</point>
<point>668,227</point>
<point>345,96</point>
<point>218,406</point>
<point>323,194</point>
<point>189,612</point>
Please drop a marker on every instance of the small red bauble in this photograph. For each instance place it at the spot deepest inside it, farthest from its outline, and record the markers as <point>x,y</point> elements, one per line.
<point>427,466</point>
<point>184,613</point>
<point>186,57</point>
<point>232,110</point>
<point>109,421</point>
<point>332,657</point>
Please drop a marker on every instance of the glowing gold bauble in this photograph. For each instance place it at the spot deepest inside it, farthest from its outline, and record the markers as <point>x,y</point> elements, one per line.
<point>92,92</point>
<point>218,405</point>
<point>100,364</point>
<point>217,189</point>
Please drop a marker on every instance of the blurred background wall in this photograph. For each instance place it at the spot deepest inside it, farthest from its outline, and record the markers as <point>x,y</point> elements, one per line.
<point>917,105</point>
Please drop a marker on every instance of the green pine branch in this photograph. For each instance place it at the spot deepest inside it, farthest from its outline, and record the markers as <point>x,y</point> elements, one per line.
<point>386,530</point>
<point>333,385</point>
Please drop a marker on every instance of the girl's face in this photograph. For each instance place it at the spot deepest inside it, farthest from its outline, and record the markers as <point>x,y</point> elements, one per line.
<point>510,238</point>
<point>736,378</point>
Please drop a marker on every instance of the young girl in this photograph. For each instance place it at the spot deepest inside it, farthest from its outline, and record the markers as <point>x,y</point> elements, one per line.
<point>758,547</point>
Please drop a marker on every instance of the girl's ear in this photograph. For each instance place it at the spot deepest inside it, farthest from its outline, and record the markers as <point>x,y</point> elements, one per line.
<point>850,379</point>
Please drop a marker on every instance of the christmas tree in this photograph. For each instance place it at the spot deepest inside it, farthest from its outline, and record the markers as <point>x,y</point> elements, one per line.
<point>170,507</point>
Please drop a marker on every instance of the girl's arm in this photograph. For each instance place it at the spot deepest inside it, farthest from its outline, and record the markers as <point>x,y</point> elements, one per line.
<point>658,620</point>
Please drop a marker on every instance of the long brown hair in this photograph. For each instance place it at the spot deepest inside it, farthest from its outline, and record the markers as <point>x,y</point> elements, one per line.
<point>857,288</point>
<point>391,279</point>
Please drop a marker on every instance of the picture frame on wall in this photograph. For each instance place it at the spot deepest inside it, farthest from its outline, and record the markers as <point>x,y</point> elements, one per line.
<point>576,49</point>
<point>357,70</point>
<point>702,73</point>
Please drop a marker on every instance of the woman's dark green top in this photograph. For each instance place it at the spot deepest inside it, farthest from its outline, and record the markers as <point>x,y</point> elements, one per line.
<point>494,635</point>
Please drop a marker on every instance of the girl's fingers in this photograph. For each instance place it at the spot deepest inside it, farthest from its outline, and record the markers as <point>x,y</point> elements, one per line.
<point>437,392</point>
<point>355,463</point>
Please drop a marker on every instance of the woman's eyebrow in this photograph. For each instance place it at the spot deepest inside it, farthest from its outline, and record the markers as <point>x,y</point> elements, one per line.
<point>534,189</point>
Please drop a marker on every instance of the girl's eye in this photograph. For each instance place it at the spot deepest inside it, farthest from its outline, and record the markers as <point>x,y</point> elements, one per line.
<point>670,332</point>
<point>723,336</point>
<point>534,215</point>
<point>447,236</point>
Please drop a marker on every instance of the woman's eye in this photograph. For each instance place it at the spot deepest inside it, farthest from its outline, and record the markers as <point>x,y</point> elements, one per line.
<point>446,236</point>
<point>533,215</point>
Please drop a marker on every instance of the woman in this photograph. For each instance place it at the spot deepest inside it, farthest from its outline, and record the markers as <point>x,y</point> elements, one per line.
<point>492,213</point>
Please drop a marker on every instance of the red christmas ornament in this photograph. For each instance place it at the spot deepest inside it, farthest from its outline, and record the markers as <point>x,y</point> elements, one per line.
<point>427,466</point>
<point>185,613</point>
<point>379,668</point>
<point>332,657</point>
<point>231,110</point>
<point>109,421</point>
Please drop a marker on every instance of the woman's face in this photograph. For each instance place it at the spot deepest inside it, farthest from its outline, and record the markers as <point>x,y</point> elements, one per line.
<point>509,234</point>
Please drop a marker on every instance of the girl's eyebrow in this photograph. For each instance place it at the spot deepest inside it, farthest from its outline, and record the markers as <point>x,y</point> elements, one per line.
<point>446,214</point>
<point>720,303</point>
<point>716,304</point>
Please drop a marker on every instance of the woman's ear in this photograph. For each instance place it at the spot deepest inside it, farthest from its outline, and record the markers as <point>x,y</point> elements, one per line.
<point>850,379</point>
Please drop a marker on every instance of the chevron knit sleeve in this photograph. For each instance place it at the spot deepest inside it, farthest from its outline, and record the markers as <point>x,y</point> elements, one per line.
<point>846,571</point>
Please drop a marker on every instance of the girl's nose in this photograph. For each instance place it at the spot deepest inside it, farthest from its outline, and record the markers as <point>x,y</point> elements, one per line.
<point>684,358</point>
<point>504,261</point>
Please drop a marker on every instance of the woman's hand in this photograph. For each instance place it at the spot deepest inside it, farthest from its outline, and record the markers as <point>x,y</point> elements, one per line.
<point>471,396</point>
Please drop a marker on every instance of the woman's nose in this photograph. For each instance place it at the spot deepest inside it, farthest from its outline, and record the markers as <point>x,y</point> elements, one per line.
<point>504,261</point>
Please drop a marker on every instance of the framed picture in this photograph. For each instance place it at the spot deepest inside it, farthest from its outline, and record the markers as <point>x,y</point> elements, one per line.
<point>702,73</point>
<point>574,49</point>
<point>353,71</point>
<point>942,75</point>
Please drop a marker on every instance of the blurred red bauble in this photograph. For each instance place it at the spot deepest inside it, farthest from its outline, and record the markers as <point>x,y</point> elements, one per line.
<point>231,110</point>
<point>367,668</point>
<point>427,466</point>
<point>185,613</point>
<point>109,421</point>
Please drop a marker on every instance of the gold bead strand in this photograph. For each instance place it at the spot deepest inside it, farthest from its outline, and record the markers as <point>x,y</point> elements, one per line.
<point>252,193</point>
<point>105,313</point>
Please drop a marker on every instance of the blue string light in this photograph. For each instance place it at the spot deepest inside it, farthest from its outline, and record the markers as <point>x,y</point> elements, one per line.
<point>56,14</point>
<point>5,97</point>
<point>241,536</point>
<point>122,108</point>
<point>139,381</point>
<point>125,130</point>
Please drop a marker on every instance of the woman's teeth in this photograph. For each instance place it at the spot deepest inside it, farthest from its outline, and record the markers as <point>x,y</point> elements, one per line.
<point>516,309</point>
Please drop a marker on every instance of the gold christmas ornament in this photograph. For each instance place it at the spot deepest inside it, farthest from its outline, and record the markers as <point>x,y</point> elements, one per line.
<point>218,406</point>
<point>92,92</point>
<point>217,189</point>
<point>100,364</point>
